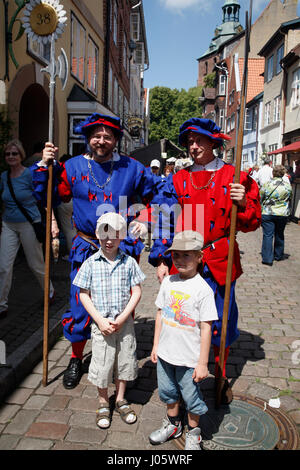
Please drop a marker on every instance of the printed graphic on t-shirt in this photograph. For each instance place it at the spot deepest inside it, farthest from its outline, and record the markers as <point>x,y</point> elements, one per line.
<point>174,314</point>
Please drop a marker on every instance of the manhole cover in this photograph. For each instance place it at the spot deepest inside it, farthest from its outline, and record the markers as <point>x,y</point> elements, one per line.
<point>246,424</point>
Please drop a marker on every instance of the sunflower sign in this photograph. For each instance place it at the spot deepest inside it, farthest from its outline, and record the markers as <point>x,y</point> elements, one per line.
<point>44,20</point>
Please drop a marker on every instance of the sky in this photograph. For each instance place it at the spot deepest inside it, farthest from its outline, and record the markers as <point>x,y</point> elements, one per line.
<point>180,31</point>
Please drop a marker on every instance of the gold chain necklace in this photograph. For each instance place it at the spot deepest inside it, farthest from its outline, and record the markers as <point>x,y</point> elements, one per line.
<point>202,187</point>
<point>209,181</point>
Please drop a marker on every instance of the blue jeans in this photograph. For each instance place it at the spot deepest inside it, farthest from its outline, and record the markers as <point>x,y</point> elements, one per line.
<point>273,228</point>
<point>176,381</point>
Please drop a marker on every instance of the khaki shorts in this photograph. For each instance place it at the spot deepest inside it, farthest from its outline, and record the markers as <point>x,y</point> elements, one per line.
<point>113,356</point>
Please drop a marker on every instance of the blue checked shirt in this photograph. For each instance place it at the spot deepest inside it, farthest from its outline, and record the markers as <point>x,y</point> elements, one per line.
<point>109,285</point>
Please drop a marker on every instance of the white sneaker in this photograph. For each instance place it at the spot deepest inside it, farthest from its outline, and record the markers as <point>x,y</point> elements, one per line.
<point>193,439</point>
<point>166,432</point>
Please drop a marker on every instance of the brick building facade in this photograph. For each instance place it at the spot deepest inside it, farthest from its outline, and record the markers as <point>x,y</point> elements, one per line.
<point>100,50</point>
<point>224,59</point>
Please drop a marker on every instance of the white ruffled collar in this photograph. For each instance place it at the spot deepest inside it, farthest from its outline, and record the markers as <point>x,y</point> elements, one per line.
<point>215,164</point>
<point>116,157</point>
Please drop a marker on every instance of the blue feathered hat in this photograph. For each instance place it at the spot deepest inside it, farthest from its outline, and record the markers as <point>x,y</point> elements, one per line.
<point>202,126</point>
<point>114,123</point>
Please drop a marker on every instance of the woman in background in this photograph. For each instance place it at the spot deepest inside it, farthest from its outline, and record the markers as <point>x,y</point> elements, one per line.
<point>16,229</point>
<point>275,197</point>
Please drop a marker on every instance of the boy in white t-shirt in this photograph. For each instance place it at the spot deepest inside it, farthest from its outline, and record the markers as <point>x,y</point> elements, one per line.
<point>186,308</point>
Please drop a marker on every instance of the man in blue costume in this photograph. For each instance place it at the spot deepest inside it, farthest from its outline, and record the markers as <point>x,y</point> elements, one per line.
<point>99,181</point>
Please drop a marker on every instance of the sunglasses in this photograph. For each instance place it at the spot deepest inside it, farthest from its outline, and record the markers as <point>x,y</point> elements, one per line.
<point>14,154</point>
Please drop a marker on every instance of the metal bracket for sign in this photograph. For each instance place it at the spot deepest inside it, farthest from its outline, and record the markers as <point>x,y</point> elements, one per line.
<point>44,21</point>
<point>59,68</point>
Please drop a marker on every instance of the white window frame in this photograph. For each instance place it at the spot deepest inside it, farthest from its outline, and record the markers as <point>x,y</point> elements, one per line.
<point>116,97</point>
<point>221,118</point>
<point>73,142</point>
<point>228,125</point>
<point>126,112</point>
<point>267,113</point>
<point>115,23</point>
<point>93,60</point>
<point>74,120</point>
<point>270,68</point>
<point>142,104</point>
<point>245,158</point>
<point>232,121</point>
<point>222,84</point>
<point>39,50</point>
<point>276,108</point>
<point>254,118</point>
<point>77,48</point>
<point>248,119</point>
<point>125,53</point>
<point>135,26</point>
<point>279,56</point>
<point>273,147</point>
<point>139,54</point>
<point>295,101</point>
<point>110,88</point>
<point>121,103</point>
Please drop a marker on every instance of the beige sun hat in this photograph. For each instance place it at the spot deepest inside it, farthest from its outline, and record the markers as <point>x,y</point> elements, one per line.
<point>188,240</point>
<point>115,222</point>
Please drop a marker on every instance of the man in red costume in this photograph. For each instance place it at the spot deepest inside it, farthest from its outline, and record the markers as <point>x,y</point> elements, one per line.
<point>205,193</point>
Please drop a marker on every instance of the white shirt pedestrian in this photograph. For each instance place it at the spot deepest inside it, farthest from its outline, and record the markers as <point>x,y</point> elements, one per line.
<point>264,175</point>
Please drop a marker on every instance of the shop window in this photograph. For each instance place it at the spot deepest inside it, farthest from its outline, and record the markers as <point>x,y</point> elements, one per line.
<point>92,66</point>
<point>78,49</point>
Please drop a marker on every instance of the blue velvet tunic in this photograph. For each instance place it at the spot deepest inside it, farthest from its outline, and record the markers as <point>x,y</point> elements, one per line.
<point>95,190</point>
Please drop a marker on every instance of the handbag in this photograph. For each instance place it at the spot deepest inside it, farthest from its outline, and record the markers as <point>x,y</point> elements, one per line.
<point>40,231</point>
<point>38,227</point>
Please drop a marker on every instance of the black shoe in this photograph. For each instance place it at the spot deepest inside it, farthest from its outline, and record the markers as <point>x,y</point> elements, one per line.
<point>268,264</point>
<point>226,393</point>
<point>73,373</point>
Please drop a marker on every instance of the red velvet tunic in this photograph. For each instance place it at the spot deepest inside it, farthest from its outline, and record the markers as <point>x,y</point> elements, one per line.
<point>210,208</point>
<point>207,210</point>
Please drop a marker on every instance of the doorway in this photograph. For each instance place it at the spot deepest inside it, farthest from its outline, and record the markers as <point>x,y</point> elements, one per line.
<point>33,117</point>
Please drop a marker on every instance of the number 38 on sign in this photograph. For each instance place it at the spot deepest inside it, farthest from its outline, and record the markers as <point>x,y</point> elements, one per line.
<point>42,19</point>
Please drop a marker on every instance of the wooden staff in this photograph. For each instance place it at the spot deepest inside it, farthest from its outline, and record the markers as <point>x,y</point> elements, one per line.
<point>48,220</point>
<point>220,380</point>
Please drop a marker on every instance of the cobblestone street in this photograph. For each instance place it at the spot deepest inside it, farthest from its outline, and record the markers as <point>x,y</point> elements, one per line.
<point>264,362</point>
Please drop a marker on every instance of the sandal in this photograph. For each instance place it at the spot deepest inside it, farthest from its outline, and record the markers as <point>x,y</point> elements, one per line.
<point>103,417</point>
<point>127,414</point>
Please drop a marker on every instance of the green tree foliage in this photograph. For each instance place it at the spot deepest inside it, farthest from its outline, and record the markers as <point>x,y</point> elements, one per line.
<point>169,108</point>
<point>209,80</point>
